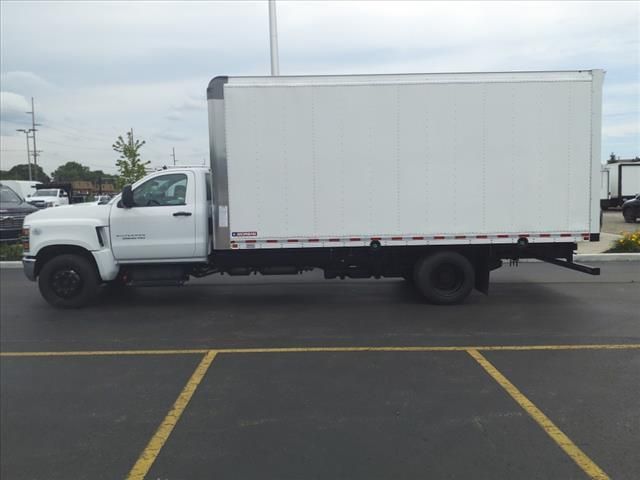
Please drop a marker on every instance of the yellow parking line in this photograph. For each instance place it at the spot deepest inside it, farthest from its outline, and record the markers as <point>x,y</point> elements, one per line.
<point>564,442</point>
<point>80,353</point>
<point>431,349</point>
<point>88,353</point>
<point>151,451</point>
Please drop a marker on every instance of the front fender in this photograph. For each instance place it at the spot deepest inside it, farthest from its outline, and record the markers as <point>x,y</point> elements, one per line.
<point>88,234</point>
<point>79,233</point>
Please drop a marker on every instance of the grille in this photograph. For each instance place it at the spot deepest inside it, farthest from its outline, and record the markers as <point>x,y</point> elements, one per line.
<point>38,203</point>
<point>11,221</point>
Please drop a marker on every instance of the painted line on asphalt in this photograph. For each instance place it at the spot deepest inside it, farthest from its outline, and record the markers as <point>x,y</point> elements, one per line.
<point>551,429</point>
<point>620,346</point>
<point>88,353</point>
<point>151,451</point>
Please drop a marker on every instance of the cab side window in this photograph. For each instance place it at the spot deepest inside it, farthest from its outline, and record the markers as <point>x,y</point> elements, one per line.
<point>162,191</point>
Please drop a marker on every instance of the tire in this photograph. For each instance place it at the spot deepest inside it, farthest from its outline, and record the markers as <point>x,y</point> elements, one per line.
<point>629,215</point>
<point>444,278</point>
<point>68,281</point>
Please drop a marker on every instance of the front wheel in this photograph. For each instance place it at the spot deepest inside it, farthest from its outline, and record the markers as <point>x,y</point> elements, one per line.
<point>68,281</point>
<point>444,278</point>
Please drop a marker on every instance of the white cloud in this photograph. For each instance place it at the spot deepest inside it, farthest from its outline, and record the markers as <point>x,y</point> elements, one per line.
<point>616,130</point>
<point>95,71</point>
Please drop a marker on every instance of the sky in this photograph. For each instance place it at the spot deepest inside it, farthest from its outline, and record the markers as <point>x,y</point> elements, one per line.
<point>97,69</point>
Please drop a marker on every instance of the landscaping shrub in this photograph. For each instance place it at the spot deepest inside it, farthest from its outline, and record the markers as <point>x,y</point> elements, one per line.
<point>629,243</point>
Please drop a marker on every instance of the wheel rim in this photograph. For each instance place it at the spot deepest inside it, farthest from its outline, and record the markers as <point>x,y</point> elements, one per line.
<point>447,278</point>
<point>66,283</point>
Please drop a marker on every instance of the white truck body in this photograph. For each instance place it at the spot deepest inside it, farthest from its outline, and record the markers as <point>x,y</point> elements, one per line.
<point>435,178</point>
<point>407,159</point>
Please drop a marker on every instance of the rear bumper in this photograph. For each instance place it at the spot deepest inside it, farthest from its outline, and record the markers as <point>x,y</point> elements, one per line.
<point>29,267</point>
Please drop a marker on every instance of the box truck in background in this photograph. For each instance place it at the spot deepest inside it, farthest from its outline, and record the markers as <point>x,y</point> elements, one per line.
<point>436,178</point>
<point>24,188</point>
<point>605,192</point>
<point>624,182</point>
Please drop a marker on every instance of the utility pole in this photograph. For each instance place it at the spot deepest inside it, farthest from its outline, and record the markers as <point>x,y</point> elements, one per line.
<point>26,132</point>
<point>174,155</point>
<point>33,129</point>
<point>273,39</point>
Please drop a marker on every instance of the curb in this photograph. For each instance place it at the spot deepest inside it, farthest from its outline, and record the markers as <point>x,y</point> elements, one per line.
<point>583,257</point>
<point>16,264</point>
<point>607,257</point>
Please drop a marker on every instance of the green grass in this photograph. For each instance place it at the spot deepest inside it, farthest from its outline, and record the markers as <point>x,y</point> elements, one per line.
<point>10,252</point>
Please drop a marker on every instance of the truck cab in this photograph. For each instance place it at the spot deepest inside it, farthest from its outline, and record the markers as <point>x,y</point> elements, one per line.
<point>164,224</point>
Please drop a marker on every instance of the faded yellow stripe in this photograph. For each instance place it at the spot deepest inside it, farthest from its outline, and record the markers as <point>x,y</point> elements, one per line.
<point>80,353</point>
<point>151,451</point>
<point>570,448</point>
<point>431,349</point>
<point>88,353</point>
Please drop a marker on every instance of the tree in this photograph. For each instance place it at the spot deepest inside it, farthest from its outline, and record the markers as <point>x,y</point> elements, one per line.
<point>71,171</point>
<point>130,165</point>
<point>21,172</point>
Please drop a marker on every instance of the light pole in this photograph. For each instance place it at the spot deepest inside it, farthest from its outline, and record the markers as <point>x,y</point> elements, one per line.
<point>34,130</point>
<point>273,39</point>
<point>26,132</point>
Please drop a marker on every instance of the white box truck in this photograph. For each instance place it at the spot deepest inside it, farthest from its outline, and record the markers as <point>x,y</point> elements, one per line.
<point>624,182</point>
<point>432,177</point>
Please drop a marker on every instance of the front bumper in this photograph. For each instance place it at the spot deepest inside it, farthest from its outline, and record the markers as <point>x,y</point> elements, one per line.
<point>29,267</point>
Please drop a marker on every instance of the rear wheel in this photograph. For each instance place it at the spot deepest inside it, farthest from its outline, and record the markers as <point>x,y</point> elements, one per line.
<point>444,278</point>
<point>68,281</point>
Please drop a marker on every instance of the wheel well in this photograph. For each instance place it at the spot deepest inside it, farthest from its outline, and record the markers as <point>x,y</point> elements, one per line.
<point>47,253</point>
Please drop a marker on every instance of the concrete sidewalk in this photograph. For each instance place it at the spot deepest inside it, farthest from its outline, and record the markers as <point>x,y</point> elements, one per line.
<point>605,243</point>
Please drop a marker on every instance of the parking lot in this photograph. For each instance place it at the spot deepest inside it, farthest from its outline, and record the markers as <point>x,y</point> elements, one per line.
<point>613,222</point>
<point>298,377</point>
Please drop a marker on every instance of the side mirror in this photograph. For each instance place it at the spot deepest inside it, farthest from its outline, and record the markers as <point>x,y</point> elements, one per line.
<point>127,197</point>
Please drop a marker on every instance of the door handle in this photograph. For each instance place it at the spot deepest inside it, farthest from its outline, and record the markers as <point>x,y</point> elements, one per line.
<point>182,214</point>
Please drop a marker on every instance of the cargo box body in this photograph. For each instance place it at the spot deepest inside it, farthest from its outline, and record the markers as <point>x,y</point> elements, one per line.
<point>405,159</point>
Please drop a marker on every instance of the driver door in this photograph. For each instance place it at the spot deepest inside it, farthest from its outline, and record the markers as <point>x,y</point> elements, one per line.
<point>161,225</point>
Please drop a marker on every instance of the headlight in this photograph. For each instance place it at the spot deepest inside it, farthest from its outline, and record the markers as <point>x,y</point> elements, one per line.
<point>49,204</point>
<point>25,239</point>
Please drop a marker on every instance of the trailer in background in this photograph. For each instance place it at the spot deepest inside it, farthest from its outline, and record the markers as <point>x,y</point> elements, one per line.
<point>624,182</point>
<point>605,192</point>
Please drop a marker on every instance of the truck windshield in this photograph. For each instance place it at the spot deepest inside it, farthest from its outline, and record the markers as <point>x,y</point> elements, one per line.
<point>46,193</point>
<point>9,196</point>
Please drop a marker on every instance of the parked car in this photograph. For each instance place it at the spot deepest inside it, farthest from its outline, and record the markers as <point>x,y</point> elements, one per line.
<point>49,197</point>
<point>102,199</point>
<point>631,209</point>
<point>13,209</point>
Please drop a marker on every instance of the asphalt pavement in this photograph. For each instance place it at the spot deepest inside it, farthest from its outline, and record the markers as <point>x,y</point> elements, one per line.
<point>299,377</point>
